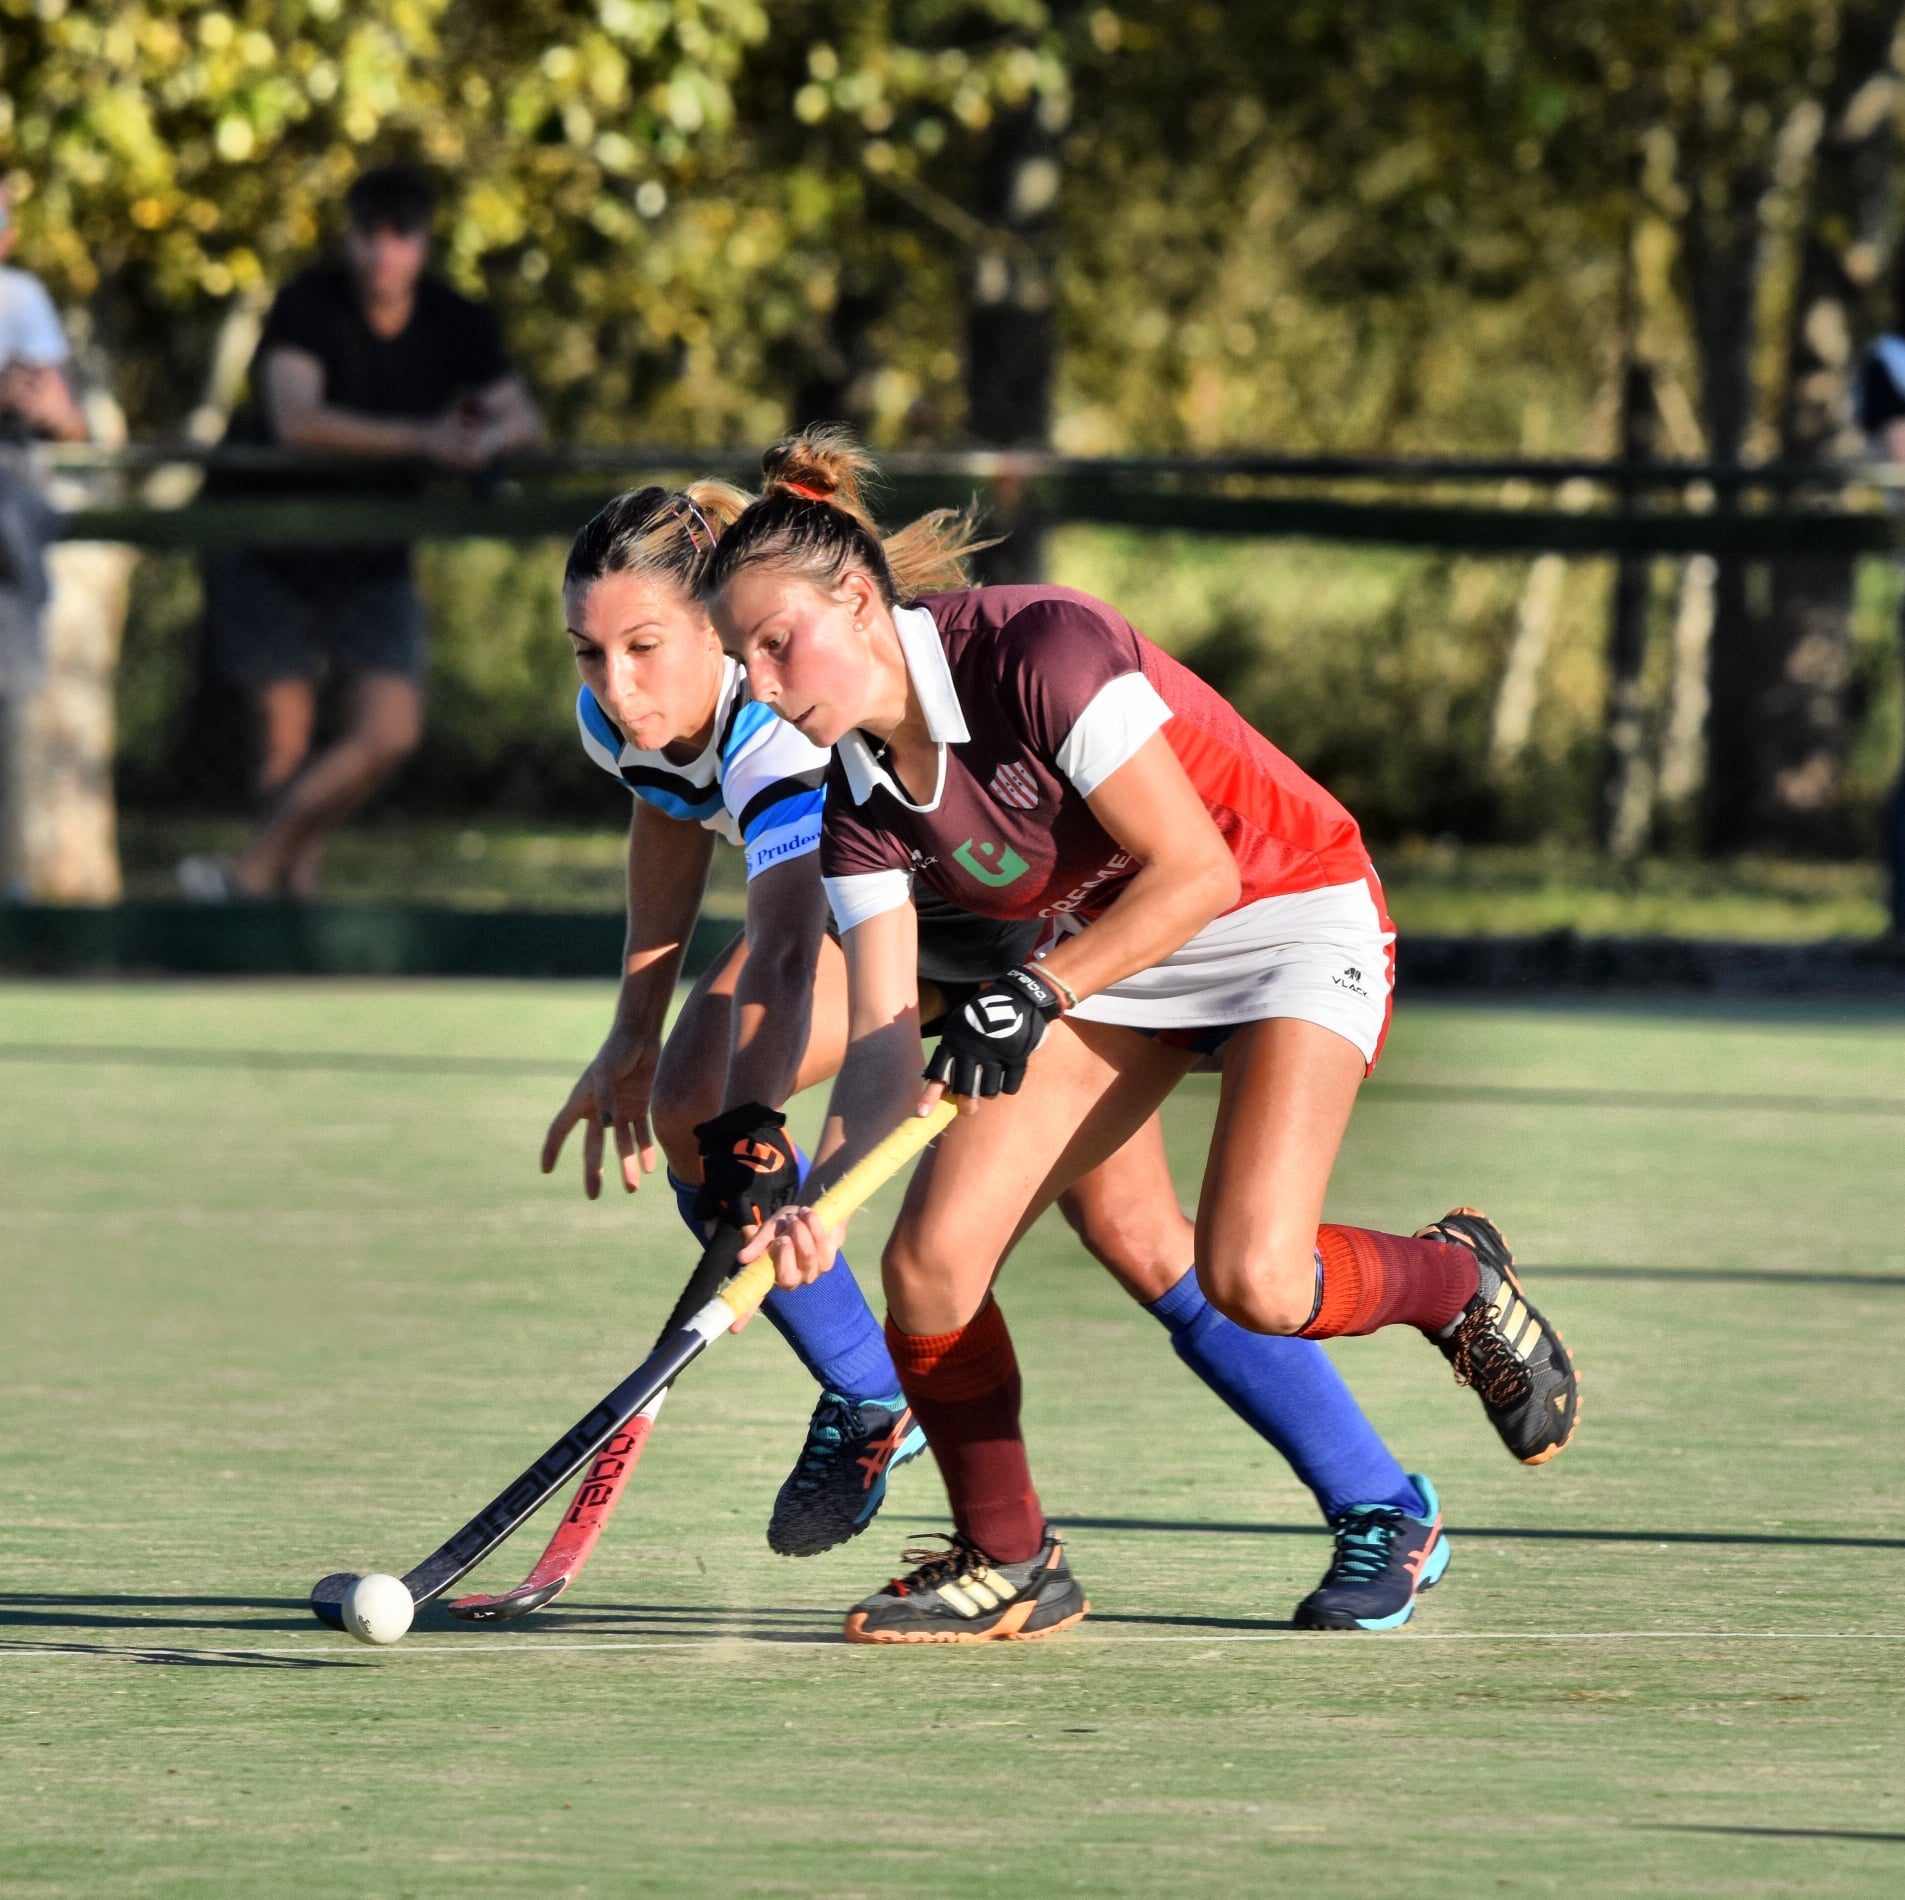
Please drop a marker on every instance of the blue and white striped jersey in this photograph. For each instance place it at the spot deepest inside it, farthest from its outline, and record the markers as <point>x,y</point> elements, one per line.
<point>758,784</point>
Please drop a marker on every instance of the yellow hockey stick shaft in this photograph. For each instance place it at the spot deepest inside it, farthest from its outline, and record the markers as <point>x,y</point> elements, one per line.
<point>755,1281</point>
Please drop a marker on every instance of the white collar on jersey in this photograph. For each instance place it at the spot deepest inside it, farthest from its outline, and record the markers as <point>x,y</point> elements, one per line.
<point>925,655</point>
<point>705,768</point>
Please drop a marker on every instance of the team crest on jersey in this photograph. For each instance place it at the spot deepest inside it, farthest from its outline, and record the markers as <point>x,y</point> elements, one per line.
<point>1012,784</point>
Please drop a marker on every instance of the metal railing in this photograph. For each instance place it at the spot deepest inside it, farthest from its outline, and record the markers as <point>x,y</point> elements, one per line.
<point>1561,505</point>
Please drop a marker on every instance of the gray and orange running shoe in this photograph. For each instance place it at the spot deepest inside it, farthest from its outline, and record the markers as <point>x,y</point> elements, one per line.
<point>1502,1346</point>
<point>960,1595</point>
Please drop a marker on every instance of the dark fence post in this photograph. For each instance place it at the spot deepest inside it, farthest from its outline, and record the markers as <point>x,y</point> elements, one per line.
<point>1625,796</point>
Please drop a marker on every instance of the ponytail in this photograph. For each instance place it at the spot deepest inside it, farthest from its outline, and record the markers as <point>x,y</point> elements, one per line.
<point>813,520</point>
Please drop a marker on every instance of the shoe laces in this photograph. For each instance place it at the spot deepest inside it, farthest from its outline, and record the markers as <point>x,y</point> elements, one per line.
<point>1365,1536</point>
<point>933,1565</point>
<point>1482,1358</point>
<point>835,1420</point>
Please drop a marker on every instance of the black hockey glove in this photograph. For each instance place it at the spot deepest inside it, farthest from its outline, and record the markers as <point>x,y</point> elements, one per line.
<point>748,1168</point>
<point>986,1044</point>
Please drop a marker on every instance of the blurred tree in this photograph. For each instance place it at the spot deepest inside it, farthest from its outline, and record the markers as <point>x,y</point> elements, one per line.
<point>1329,224</point>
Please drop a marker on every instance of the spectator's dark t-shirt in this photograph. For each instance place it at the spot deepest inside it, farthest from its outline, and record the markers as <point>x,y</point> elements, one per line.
<point>450,348</point>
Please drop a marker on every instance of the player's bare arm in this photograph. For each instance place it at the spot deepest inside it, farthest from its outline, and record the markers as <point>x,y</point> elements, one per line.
<point>667,872</point>
<point>773,996</point>
<point>877,1084</point>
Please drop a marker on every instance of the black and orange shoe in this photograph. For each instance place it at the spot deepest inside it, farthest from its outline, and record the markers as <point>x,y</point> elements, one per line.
<point>1503,1347</point>
<point>959,1595</point>
<point>838,1483</point>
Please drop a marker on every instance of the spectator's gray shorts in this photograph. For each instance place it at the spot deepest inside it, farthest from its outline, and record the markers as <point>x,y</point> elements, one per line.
<point>264,625</point>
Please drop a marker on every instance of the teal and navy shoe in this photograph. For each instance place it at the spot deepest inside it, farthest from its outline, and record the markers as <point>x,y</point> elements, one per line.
<point>1384,1559</point>
<point>838,1484</point>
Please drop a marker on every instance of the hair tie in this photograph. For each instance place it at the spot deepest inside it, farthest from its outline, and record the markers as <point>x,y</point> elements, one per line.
<point>693,514</point>
<point>804,492</point>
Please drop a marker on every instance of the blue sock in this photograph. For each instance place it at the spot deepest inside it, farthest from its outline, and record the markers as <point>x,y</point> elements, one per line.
<point>829,1324</point>
<point>1287,1391</point>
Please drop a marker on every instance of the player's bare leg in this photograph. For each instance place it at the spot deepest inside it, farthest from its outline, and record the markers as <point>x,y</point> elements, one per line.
<point>861,1430</point>
<point>1389,1545</point>
<point>1287,1091</point>
<point>694,1061</point>
<point>1003,1575</point>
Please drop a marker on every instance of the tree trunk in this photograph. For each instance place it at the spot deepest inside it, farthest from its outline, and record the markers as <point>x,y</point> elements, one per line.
<point>1804,660</point>
<point>1782,667</point>
<point>1723,247</point>
<point>69,847</point>
<point>1684,730</point>
<point>1011,329</point>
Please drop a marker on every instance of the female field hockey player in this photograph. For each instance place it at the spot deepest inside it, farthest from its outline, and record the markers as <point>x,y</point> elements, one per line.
<point>664,710</point>
<point>1023,752</point>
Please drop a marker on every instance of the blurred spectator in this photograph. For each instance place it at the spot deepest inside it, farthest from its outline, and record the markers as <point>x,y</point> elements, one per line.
<point>36,403</point>
<point>1879,403</point>
<point>372,358</point>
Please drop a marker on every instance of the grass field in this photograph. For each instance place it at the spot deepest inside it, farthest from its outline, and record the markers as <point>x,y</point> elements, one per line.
<point>282,1292</point>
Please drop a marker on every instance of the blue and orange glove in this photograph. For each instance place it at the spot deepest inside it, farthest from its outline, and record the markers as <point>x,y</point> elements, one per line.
<point>748,1166</point>
<point>985,1046</point>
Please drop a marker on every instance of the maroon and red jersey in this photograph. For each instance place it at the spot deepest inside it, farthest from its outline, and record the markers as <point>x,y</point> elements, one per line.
<point>1036,696</point>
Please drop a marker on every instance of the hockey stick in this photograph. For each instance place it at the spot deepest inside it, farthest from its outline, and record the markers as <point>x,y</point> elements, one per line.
<point>739,1294</point>
<point>601,1488</point>
<point>575,1537</point>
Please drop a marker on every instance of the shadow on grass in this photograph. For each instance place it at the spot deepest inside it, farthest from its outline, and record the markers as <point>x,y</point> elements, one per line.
<point>707,1622</point>
<point>181,1658</point>
<point>26,1612</point>
<point>1536,1533</point>
<point>1774,1833</point>
<point>38,1610</point>
<point>1196,1622</point>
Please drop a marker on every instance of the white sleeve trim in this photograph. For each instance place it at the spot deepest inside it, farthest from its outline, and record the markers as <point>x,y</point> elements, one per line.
<point>866,894</point>
<point>1124,713</point>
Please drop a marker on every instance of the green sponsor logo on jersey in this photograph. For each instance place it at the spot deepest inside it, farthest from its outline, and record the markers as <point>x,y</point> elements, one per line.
<point>1006,865</point>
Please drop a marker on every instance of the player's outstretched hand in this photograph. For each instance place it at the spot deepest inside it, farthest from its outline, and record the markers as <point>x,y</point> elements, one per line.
<point>800,1247</point>
<point>612,1095</point>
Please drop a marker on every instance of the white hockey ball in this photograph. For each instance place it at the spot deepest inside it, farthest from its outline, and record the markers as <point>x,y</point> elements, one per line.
<point>378,1609</point>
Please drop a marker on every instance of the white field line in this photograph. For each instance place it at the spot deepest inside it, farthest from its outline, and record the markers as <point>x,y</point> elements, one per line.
<point>33,1652</point>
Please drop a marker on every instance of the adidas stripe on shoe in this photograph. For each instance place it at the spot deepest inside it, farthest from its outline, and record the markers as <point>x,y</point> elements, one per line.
<point>1502,1345</point>
<point>960,1595</point>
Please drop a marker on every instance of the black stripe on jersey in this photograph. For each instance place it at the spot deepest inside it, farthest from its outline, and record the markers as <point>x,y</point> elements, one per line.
<point>787,787</point>
<point>684,789</point>
<point>727,725</point>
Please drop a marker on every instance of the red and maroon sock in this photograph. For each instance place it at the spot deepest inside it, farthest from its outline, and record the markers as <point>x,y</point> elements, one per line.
<point>1369,1280</point>
<point>964,1390</point>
